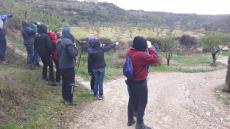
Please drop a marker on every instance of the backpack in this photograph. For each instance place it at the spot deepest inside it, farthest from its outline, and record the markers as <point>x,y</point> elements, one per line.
<point>128,71</point>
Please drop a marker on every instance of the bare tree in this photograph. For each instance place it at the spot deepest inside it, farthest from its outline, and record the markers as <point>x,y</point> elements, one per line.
<point>227,81</point>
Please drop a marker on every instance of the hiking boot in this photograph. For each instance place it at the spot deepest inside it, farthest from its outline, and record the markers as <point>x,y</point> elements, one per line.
<point>130,123</point>
<point>142,126</point>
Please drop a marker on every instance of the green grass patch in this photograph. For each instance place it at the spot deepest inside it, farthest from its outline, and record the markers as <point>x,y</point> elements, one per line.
<point>186,69</point>
<point>223,96</point>
<point>30,103</point>
<point>113,69</point>
<point>193,59</point>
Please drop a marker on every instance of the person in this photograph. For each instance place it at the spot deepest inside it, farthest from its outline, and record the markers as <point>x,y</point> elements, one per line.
<point>44,47</point>
<point>36,55</point>
<point>67,53</point>
<point>3,22</point>
<point>54,40</point>
<point>137,86</point>
<point>97,63</point>
<point>89,50</point>
<point>215,51</point>
<point>28,33</point>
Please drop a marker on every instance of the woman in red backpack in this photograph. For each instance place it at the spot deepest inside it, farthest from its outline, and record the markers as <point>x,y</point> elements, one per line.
<point>54,40</point>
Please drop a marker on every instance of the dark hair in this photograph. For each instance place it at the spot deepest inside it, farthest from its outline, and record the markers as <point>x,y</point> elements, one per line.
<point>139,43</point>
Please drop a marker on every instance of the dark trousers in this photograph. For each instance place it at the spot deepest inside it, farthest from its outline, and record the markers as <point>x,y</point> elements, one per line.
<point>58,74</point>
<point>47,62</point>
<point>138,94</point>
<point>2,47</point>
<point>68,83</point>
<point>30,53</point>
<point>92,82</point>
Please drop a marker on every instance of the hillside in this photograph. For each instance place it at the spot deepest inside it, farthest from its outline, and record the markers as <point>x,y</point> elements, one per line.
<point>107,14</point>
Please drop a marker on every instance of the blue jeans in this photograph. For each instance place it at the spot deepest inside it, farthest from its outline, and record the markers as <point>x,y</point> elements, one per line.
<point>36,57</point>
<point>98,82</point>
<point>30,53</point>
<point>2,47</point>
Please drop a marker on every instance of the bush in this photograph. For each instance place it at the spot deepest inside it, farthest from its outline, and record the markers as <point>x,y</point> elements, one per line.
<point>187,41</point>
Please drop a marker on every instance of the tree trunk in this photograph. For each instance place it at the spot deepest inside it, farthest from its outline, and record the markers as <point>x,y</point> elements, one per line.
<point>213,59</point>
<point>168,61</point>
<point>227,81</point>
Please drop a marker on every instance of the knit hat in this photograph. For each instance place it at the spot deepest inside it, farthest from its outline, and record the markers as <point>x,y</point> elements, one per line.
<point>139,43</point>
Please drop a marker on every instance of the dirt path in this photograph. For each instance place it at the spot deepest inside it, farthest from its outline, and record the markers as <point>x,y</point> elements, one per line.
<point>176,101</point>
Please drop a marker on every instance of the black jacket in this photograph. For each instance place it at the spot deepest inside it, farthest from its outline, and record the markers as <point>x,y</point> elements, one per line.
<point>96,58</point>
<point>28,33</point>
<point>42,42</point>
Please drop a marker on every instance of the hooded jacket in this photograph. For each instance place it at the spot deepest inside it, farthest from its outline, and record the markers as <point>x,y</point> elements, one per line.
<point>66,50</point>
<point>28,33</point>
<point>140,59</point>
<point>96,58</point>
<point>42,42</point>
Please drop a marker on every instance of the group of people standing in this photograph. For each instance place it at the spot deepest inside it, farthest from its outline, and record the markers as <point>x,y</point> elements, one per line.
<point>60,49</point>
<point>52,48</point>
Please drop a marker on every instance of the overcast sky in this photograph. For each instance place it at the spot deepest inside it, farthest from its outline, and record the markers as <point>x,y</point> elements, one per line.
<point>176,6</point>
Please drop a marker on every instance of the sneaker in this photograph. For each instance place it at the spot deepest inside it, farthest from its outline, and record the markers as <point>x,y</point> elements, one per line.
<point>130,123</point>
<point>96,97</point>
<point>142,126</point>
<point>100,97</point>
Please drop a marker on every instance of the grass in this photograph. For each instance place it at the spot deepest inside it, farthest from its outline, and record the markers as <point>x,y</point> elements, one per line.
<point>193,59</point>
<point>186,69</point>
<point>113,69</point>
<point>224,97</point>
<point>224,53</point>
<point>186,64</point>
<point>29,103</point>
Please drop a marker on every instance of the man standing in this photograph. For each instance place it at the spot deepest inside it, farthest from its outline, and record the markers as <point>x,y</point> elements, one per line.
<point>67,53</point>
<point>28,34</point>
<point>137,86</point>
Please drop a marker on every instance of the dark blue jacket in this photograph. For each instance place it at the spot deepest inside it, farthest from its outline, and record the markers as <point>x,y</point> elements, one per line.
<point>28,33</point>
<point>96,58</point>
<point>66,50</point>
